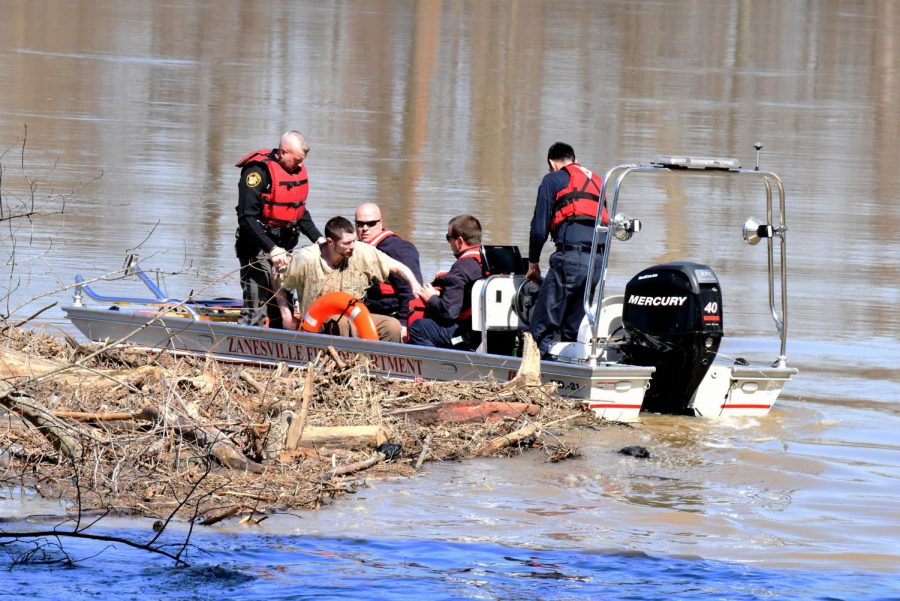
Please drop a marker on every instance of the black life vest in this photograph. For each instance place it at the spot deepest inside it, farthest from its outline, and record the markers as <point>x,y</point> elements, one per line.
<point>285,202</point>
<point>580,199</point>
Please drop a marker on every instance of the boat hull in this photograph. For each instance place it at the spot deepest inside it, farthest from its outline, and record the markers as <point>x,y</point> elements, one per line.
<point>612,391</point>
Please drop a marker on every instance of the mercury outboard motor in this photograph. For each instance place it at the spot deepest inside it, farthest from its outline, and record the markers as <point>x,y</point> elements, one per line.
<point>673,316</point>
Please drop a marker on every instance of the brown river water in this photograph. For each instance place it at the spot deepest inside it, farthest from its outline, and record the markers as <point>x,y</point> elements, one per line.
<point>132,114</point>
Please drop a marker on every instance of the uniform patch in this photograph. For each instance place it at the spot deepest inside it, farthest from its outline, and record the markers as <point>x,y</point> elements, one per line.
<point>253,179</point>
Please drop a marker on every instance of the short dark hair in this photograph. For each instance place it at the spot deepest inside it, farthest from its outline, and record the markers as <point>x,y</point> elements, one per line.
<point>467,227</point>
<point>561,152</point>
<point>337,226</point>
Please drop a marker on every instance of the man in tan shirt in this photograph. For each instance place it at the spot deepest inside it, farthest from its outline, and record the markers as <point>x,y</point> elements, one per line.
<point>342,263</point>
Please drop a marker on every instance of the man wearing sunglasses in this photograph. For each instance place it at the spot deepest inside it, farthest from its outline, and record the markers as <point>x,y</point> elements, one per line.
<point>392,296</point>
<point>271,214</point>
<point>567,203</point>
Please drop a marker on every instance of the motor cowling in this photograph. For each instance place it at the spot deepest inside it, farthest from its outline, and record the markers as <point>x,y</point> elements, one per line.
<point>673,317</point>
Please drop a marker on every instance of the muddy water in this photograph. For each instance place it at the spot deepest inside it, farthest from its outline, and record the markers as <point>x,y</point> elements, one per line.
<point>119,125</point>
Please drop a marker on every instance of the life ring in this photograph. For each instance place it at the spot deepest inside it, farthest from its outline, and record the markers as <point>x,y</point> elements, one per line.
<point>339,304</point>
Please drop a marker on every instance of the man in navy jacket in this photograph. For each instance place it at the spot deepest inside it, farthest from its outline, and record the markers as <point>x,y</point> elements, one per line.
<point>448,312</point>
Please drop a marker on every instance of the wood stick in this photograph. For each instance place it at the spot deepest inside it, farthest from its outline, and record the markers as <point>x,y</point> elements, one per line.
<point>337,359</point>
<point>218,443</point>
<point>57,432</point>
<point>354,467</point>
<point>505,441</point>
<point>99,417</point>
<point>295,432</point>
<point>221,516</point>
<point>529,373</point>
<point>246,377</point>
<point>424,452</point>
<point>245,495</point>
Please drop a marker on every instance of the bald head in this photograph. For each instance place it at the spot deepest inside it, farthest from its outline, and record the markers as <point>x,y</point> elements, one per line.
<point>292,150</point>
<point>368,221</point>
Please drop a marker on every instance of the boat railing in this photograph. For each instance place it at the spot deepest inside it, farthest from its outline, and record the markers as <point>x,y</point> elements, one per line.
<point>159,298</point>
<point>753,232</point>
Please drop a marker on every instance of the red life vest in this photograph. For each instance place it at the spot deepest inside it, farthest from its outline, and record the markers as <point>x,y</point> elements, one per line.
<point>385,288</point>
<point>285,202</point>
<point>580,199</point>
<point>417,306</point>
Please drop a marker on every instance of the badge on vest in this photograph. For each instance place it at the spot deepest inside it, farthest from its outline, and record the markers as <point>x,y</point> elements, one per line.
<point>253,179</point>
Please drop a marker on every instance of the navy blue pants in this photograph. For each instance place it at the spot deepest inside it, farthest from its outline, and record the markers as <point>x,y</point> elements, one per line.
<point>428,332</point>
<point>560,304</point>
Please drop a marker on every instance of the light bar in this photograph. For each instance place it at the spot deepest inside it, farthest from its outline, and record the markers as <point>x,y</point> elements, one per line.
<point>682,162</point>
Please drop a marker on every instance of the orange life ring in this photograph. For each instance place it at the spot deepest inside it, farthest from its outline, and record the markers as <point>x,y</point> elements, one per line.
<point>339,304</point>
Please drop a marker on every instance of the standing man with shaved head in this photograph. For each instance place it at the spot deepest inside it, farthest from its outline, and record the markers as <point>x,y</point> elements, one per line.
<point>271,214</point>
<point>392,296</point>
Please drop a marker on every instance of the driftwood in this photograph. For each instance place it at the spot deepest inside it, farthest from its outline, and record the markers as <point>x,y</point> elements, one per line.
<point>83,416</point>
<point>222,516</point>
<point>295,432</point>
<point>56,431</point>
<point>16,364</point>
<point>510,439</point>
<point>529,373</point>
<point>465,411</point>
<point>219,446</point>
<point>347,437</point>
<point>354,467</point>
<point>246,377</point>
<point>341,364</point>
<point>199,419</point>
<point>425,447</point>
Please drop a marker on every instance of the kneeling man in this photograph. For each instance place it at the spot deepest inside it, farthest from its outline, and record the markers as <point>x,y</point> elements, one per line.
<point>342,264</point>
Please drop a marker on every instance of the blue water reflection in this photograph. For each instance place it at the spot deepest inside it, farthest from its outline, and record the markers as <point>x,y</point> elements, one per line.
<point>272,567</point>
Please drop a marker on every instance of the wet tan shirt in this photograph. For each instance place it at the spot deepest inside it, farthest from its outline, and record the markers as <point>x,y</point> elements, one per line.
<point>312,277</point>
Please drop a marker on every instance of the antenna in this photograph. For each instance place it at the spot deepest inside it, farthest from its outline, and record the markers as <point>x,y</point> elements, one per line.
<point>758,147</point>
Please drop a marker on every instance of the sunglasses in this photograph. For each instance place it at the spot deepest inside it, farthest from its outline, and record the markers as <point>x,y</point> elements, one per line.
<point>449,237</point>
<point>367,223</point>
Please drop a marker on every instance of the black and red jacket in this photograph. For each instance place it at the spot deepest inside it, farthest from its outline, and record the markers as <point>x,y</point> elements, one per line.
<point>454,303</point>
<point>284,203</point>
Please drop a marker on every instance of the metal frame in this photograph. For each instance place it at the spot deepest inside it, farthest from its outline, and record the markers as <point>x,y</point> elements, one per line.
<point>779,230</point>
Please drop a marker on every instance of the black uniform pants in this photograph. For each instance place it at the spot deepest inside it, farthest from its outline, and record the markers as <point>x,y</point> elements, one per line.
<point>258,289</point>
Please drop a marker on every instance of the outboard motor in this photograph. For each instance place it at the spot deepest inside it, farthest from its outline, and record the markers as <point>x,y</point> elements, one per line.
<point>673,316</point>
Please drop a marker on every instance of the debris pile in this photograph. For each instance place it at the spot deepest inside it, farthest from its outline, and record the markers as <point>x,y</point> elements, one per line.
<point>149,433</point>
